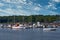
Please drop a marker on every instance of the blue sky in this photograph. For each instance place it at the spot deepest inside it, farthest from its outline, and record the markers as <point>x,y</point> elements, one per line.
<point>29,7</point>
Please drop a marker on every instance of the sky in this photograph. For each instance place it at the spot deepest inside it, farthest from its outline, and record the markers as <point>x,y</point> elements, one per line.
<point>29,7</point>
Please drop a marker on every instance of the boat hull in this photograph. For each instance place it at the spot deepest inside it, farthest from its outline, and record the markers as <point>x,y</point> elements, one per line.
<point>49,29</point>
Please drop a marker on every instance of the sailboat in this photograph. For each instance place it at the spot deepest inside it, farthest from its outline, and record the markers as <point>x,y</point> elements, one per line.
<point>17,25</point>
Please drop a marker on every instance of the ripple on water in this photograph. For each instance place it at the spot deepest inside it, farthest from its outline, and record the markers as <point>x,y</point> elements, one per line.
<point>29,34</point>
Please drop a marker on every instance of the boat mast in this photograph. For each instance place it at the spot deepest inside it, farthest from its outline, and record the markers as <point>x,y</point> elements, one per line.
<point>14,19</point>
<point>23,19</point>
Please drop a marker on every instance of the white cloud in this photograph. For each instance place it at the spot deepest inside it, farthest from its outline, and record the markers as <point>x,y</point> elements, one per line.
<point>3,14</point>
<point>30,3</point>
<point>1,4</point>
<point>23,0</point>
<point>56,0</point>
<point>36,8</point>
<point>19,7</point>
<point>23,8</point>
<point>12,12</point>
<point>39,5</point>
<point>15,1</point>
<point>51,6</point>
<point>7,0</point>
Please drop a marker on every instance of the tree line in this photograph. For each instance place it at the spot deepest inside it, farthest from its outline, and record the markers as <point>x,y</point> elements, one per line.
<point>31,18</point>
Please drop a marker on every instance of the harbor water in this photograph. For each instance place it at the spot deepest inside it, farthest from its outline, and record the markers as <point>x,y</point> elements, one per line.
<point>29,34</point>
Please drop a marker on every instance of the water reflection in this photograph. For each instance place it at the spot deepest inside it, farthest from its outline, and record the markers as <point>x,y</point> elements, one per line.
<point>29,34</point>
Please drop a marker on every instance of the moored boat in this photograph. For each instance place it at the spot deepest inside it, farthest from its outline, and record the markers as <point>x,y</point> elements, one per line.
<point>49,28</point>
<point>17,26</point>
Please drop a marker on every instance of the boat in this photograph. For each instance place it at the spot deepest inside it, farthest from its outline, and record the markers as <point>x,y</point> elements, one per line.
<point>50,28</point>
<point>29,27</point>
<point>14,26</point>
<point>17,26</point>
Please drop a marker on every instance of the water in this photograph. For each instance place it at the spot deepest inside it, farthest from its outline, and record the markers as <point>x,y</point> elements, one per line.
<point>29,34</point>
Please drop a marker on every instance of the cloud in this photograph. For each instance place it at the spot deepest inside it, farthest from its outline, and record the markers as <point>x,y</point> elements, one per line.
<point>36,8</point>
<point>7,0</point>
<point>19,7</point>
<point>1,14</point>
<point>24,7</point>
<point>30,3</point>
<point>15,1</point>
<point>39,5</point>
<point>51,6</point>
<point>12,12</point>
<point>1,4</point>
<point>56,0</point>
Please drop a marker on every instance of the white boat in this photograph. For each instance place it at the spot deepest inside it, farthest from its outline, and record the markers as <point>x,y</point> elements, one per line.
<point>17,27</point>
<point>14,27</point>
<point>49,29</point>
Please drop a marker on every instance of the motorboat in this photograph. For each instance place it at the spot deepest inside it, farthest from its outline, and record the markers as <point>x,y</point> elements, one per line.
<point>50,28</point>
